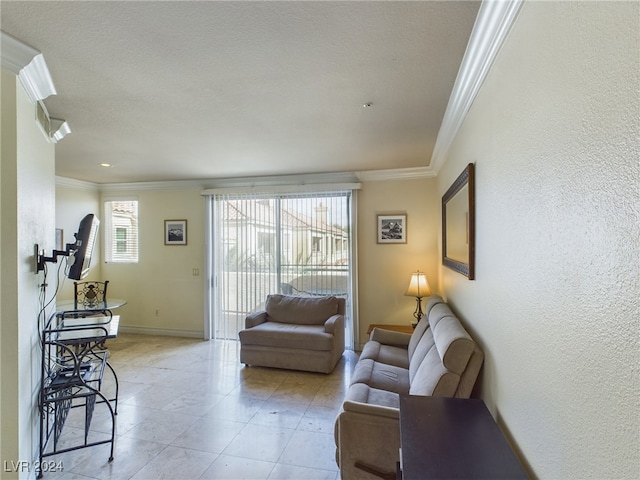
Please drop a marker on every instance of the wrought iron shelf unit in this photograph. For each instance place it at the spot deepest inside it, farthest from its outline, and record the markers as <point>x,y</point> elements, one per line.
<point>74,363</point>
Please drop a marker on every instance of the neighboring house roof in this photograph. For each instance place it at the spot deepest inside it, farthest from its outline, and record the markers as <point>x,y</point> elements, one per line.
<point>264,213</point>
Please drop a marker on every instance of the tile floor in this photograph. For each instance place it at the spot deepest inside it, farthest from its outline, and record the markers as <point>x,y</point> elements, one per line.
<point>189,410</point>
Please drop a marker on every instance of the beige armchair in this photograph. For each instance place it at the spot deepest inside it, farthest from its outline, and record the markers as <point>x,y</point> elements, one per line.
<point>297,333</point>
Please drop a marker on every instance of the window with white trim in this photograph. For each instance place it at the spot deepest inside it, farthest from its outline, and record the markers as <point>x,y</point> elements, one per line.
<point>121,230</point>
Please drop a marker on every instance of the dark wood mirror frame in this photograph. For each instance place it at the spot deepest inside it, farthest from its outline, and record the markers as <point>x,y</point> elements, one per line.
<point>465,266</point>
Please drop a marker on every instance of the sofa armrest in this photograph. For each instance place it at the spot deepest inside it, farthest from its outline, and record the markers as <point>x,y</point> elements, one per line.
<point>390,337</point>
<point>370,409</point>
<point>255,318</point>
<point>334,322</point>
<point>366,442</point>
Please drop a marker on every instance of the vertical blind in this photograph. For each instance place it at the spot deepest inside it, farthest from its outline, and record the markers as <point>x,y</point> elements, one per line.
<point>294,243</point>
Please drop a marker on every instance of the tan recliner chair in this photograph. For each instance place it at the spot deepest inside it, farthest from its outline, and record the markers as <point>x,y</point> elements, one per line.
<point>297,333</point>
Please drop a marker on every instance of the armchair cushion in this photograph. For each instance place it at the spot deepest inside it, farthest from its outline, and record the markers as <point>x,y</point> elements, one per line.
<point>334,324</point>
<point>300,310</point>
<point>255,318</point>
<point>282,335</point>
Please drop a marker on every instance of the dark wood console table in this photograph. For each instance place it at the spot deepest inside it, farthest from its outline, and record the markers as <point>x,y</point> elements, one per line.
<point>453,438</point>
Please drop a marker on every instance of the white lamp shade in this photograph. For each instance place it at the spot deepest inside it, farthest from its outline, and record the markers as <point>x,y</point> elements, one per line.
<point>418,286</point>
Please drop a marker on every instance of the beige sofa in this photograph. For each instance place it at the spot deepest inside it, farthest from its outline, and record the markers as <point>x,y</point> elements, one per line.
<point>438,359</point>
<point>297,333</point>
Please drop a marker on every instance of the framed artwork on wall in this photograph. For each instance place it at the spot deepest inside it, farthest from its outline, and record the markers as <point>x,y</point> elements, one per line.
<point>392,228</point>
<point>175,232</point>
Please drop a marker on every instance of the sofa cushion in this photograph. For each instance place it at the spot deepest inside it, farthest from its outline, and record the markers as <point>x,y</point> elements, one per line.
<point>301,310</point>
<point>389,354</point>
<point>284,335</point>
<point>431,302</point>
<point>438,312</point>
<point>359,392</point>
<point>433,379</point>
<point>423,324</point>
<point>424,346</point>
<point>417,334</point>
<point>468,377</point>
<point>381,376</point>
<point>454,344</point>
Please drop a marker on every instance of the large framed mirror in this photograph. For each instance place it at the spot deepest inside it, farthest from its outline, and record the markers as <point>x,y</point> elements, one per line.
<point>458,224</point>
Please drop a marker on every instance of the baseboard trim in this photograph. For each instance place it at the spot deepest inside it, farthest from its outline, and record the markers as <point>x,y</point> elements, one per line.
<point>165,332</point>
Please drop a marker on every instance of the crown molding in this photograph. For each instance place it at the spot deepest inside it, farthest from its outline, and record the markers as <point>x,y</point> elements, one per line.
<point>36,79</point>
<point>396,174</point>
<point>29,65</point>
<point>279,180</point>
<point>15,54</point>
<point>493,23</point>
<point>338,178</point>
<point>161,185</point>
<point>76,184</point>
<point>236,182</point>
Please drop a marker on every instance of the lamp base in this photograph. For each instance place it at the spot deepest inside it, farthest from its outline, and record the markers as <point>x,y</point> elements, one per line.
<point>418,314</point>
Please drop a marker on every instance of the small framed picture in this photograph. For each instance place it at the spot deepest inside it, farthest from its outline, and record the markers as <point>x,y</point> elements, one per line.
<point>392,228</point>
<point>175,232</point>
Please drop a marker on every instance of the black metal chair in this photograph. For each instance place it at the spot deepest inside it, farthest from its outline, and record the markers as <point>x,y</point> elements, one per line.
<point>90,293</point>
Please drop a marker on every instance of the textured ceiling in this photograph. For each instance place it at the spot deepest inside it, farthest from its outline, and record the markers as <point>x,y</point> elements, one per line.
<point>200,90</point>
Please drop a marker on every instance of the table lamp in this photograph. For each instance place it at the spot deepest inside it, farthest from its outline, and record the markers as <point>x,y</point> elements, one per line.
<point>418,287</point>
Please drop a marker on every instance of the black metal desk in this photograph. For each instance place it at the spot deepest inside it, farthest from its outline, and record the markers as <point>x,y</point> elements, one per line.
<point>73,364</point>
<point>453,438</point>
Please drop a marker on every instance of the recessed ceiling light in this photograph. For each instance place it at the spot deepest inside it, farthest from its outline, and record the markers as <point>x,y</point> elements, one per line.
<point>367,105</point>
<point>106,165</point>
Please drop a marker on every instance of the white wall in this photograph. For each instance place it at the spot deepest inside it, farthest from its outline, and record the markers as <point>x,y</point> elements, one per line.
<point>27,210</point>
<point>554,136</point>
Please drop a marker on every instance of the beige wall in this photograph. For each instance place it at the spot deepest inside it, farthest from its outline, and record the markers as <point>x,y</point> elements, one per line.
<point>384,270</point>
<point>74,200</point>
<point>163,280</point>
<point>27,212</point>
<point>163,295</point>
<point>554,136</point>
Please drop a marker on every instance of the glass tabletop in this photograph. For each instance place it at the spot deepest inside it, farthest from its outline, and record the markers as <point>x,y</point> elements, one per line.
<point>84,329</point>
<point>71,306</point>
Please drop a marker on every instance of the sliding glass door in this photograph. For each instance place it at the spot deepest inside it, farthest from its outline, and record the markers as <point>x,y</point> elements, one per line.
<point>295,244</point>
